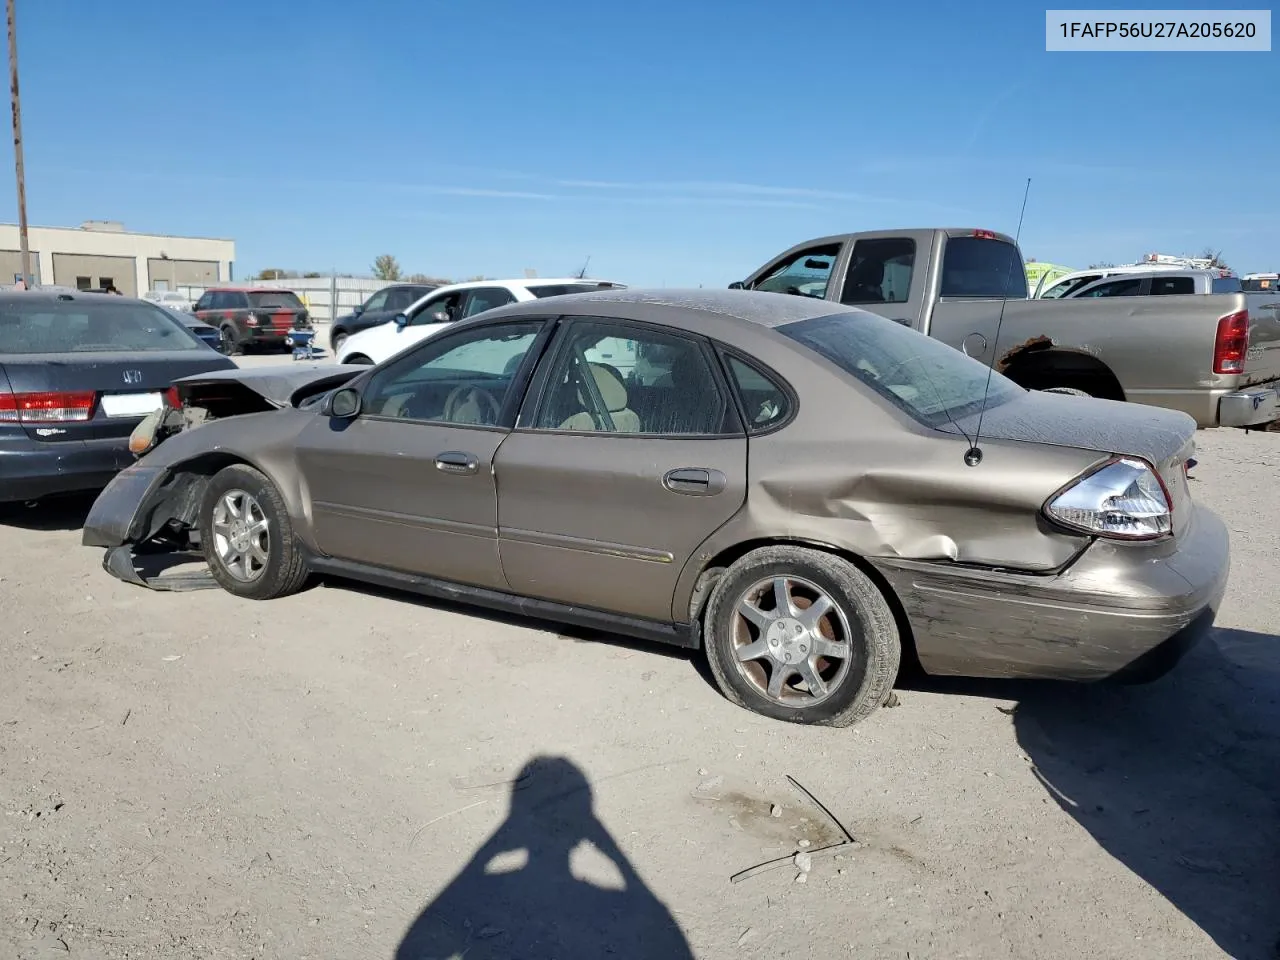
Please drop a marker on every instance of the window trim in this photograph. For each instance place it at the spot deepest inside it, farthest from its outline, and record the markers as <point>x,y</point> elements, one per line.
<point>539,389</point>
<point>724,352</point>
<point>516,394</point>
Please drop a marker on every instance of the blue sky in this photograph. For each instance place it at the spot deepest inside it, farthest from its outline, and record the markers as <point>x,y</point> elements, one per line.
<point>676,144</point>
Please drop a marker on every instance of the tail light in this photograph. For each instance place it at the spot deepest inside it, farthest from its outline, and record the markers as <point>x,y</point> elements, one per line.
<point>1123,499</point>
<point>46,407</point>
<point>172,398</point>
<point>984,234</point>
<point>1231,343</point>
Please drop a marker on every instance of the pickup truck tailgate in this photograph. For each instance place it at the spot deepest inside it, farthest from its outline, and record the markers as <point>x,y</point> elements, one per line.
<point>1262,360</point>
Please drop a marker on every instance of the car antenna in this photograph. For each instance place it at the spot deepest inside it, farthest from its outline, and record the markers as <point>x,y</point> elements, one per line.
<point>973,456</point>
<point>583,272</point>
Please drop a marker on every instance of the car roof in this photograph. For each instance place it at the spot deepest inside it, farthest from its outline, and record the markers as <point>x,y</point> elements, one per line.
<point>524,283</point>
<point>683,308</point>
<point>50,296</point>
<point>248,290</point>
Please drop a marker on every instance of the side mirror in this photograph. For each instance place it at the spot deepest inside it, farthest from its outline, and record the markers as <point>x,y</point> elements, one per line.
<point>736,285</point>
<point>343,404</point>
<point>401,321</point>
<point>358,310</point>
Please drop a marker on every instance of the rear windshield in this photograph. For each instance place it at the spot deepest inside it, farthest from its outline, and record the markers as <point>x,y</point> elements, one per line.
<point>275,300</point>
<point>922,376</point>
<point>1260,284</point>
<point>982,268</point>
<point>564,289</point>
<point>1227,285</point>
<point>82,327</point>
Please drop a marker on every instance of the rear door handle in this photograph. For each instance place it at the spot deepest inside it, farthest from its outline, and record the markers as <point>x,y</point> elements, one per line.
<point>695,481</point>
<point>457,461</point>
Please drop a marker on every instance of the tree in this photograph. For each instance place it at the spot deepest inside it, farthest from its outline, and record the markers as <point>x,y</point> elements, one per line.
<point>386,267</point>
<point>423,278</point>
<point>311,274</point>
<point>1100,266</point>
<point>271,273</point>
<point>1215,258</point>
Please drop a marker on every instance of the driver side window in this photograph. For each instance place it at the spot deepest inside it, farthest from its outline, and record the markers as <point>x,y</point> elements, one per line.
<point>805,274</point>
<point>376,302</point>
<point>447,305</point>
<point>463,379</point>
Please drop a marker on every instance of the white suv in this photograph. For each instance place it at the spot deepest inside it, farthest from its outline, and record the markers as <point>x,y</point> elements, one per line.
<point>444,305</point>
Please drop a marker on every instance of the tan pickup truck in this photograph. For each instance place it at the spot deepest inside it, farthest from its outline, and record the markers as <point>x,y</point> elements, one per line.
<point>1215,356</point>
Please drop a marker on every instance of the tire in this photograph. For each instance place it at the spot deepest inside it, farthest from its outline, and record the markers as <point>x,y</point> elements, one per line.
<point>1070,391</point>
<point>284,570</point>
<point>359,358</point>
<point>337,340</point>
<point>231,345</point>
<point>860,683</point>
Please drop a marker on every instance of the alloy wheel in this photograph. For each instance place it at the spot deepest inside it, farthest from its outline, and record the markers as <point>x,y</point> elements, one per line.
<point>241,535</point>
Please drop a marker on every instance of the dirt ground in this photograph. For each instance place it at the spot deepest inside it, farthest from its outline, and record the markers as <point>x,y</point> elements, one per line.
<point>339,774</point>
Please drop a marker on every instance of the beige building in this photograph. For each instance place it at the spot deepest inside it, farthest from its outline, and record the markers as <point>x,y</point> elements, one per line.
<point>101,253</point>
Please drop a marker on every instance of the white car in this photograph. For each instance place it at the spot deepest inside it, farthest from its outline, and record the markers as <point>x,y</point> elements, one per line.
<point>168,298</point>
<point>444,305</point>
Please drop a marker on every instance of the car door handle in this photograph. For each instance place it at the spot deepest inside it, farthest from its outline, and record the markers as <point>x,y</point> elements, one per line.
<point>695,481</point>
<point>457,461</point>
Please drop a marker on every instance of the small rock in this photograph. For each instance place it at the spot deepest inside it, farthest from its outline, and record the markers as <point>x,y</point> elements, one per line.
<point>804,843</point>
<point>775,811</point>
<point>802,878</point>
<point>804,862</point>
<point>702,771</point>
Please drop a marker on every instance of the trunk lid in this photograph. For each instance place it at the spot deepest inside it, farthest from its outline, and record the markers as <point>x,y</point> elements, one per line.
<point>1164,438</point>
<point>125,386</point>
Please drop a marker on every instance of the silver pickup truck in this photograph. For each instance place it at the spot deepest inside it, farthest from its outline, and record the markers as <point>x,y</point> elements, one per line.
<point>1214,356</point>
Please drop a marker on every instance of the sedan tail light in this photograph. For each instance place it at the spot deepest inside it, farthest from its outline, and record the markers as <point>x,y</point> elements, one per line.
<point>46,407</point>
<point>1124,499</point>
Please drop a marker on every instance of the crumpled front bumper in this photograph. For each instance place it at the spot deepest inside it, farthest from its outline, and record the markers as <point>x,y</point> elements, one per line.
<point>115,517</point>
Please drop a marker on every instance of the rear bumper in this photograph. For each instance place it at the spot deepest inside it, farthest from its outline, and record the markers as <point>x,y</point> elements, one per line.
<point>1116,609</point>
<point>1250,407</point>
<point>31,469</point>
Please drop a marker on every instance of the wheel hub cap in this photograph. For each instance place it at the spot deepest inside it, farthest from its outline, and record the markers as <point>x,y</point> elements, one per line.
<point>789,640</point>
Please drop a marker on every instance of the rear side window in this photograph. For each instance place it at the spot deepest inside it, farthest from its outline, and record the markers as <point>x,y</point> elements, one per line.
<point>880,271</point>
<point>763,398</point>
<point>1115,288</point>
<point>982,268</point>
<point>1172,286</point>
<point>71,327</point>
<point>275,300</point>
<point>921,376</point>
<point>1065,288</point>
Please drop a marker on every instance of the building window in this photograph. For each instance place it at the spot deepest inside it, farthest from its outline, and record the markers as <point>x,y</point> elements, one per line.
<point>106,283</point>
<point>84,283</point>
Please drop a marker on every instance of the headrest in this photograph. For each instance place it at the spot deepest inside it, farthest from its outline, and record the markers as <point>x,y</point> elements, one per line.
<point>611,387</point>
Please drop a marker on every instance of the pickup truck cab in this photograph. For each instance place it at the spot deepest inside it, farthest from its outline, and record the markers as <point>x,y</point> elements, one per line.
<point>1213,356</point>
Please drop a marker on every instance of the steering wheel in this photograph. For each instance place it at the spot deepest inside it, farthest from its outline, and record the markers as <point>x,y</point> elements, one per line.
<point>483,399</point>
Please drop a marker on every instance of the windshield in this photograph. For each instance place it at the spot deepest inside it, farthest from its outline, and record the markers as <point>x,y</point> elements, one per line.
<point>275,300</point>
<point>1260,285</point>
<point>79,327</point>
<point>924,377</point>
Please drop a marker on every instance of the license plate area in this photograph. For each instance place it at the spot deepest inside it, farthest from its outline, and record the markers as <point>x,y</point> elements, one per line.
<point>131,404</point>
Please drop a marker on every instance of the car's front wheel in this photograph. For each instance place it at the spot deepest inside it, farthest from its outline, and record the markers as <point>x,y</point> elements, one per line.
<point>359,358</point>
<point>803,636</point>
<point>247,537</point>
<point>339,339</point>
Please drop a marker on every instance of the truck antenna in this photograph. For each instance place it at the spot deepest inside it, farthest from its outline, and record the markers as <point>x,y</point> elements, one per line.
<point>973,456</point>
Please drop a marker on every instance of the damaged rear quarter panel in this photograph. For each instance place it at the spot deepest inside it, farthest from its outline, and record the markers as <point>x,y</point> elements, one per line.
<point>854,475</point>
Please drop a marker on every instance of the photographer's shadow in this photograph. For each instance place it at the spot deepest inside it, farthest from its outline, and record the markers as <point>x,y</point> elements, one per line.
<point>518,896</point>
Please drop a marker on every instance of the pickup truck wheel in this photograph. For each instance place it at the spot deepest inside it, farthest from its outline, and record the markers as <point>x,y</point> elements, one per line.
<point>802,636</point>
<point>1071,391</point>
<point>230,343</point>
<point>247,537</point>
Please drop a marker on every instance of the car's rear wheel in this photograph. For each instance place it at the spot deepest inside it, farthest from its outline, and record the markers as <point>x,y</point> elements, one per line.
<point>231,345</point>
<point>803,636</point>
<point>359,358</point>
<point>247,537</point>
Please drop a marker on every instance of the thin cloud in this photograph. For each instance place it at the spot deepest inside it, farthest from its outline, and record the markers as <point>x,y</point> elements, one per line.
<point>722,187</point>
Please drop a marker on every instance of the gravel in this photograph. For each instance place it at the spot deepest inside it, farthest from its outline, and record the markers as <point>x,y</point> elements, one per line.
<point>190,775</point>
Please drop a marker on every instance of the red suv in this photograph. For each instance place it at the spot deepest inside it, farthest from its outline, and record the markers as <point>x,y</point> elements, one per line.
<point>248,316</point>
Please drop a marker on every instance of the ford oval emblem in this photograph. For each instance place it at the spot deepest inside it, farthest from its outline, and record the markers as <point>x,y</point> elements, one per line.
<point>132,376</point>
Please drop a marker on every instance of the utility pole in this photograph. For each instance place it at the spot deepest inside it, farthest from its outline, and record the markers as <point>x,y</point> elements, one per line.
<point>17,147</point>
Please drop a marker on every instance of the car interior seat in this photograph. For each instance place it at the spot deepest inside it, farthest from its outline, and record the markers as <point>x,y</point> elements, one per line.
<point>614,393</point>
